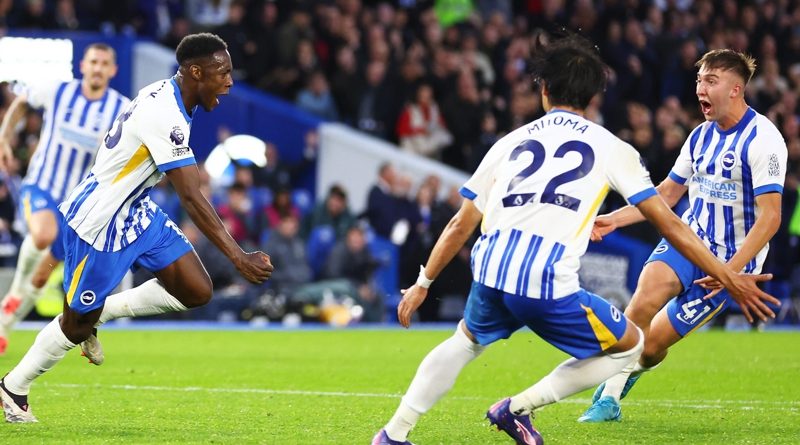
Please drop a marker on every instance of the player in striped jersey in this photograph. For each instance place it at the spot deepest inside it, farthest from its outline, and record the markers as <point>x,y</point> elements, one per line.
<point>535,196</point>
<point>77,114</point>
<point>733,166</point>
<point>110,224</point>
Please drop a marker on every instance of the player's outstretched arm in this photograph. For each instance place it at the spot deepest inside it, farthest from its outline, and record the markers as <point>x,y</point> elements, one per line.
<point>453,237</point>
<point>15,112</point>
<point>742,287</point>
<point>669,190</point>
<point>254,266</point>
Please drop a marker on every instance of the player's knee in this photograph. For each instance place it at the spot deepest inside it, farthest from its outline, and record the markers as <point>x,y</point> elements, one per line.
<point>630,345</point>
<point>75,332</point>
<point>653,354</point>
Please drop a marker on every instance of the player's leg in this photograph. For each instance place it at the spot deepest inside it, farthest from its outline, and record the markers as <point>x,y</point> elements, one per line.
<point>89,275</point>
<point>658,283</point>
<point>598,337</point>
<point>665,275</point>
<point>41,218</point>
<point>680,317</point>
<point>485,321</point>
<point>181,280</point>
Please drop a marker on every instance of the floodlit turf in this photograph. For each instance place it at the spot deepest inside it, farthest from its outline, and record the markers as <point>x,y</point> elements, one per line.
<point>340,387</point>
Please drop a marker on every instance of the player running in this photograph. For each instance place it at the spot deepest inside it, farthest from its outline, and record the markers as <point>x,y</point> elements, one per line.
<point>110,223</point>
<point>536,194</point>
<point>77,114</point>
<point>733,166</point>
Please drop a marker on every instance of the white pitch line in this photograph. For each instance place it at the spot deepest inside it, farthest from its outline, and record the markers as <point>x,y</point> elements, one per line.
<point>793,406</point>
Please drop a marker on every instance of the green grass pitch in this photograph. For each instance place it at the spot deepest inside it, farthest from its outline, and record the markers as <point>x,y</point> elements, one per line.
<point>341,386</point>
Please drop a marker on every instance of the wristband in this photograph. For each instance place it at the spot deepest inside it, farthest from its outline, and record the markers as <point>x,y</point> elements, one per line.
<point>423,281</point>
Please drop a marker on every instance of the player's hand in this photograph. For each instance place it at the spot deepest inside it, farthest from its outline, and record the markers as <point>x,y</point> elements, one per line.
<point>255,267</point>
<point>751,299</point>
<point>603,225</point>
<point>412,298</point>
<point>708,283</point>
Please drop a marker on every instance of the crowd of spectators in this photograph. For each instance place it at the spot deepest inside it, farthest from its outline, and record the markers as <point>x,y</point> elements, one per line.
<point>446,79</point>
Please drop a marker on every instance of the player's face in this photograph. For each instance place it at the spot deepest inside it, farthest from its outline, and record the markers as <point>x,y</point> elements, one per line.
<point>98,67</point>
<point>216,79</point>
<point>715,90</point>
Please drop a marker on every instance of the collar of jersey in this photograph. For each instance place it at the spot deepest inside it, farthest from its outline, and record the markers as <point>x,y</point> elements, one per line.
<point>178,98</point>
<point>559,110</point>
<point>748,116</point>
<point>101,98</point>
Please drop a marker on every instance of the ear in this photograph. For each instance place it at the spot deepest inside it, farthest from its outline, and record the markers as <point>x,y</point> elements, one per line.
<point>737,90</point>
<point>196,72</point>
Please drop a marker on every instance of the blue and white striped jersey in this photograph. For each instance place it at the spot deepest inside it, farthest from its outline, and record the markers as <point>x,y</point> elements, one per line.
<point>539,189</point>
<point>725,171</point>
<point>72,129</point>
<point>112,207</point>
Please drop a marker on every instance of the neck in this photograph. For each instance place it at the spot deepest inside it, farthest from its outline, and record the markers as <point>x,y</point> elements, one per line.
<point>578,111</point>
<point>90,93</point>
<point>733,116</point>
<point>189,100</point>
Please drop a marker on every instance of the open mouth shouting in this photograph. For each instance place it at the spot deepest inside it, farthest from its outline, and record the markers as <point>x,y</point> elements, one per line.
<point>705,107</point>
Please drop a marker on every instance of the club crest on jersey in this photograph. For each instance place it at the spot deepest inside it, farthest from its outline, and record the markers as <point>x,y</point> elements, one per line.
<point>87,298</point>
<point>176,135</point>
<point>728,160</point>
<point>615,314</point>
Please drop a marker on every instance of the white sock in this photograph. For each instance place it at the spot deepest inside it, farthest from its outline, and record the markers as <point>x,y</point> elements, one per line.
<point>149,298</point>
<point>21,287</point>
<point>435,376</point>
<point>49,348</point>
<point>573,376</point>
<point>616,384</point>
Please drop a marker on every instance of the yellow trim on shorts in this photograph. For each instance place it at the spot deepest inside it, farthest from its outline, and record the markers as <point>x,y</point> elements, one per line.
<point>138,158</point>
<point>26,208</point>
<point>708,318</point>
<point>604,336</point>
<point>597,201</point>
<point>76,277</point>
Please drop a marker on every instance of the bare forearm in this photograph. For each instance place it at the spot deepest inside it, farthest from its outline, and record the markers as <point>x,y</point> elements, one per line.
<point>452,239</point>
<point>206,219</point>
<point>760,234</point>
<point>13,115</point>
<point>626,216</point>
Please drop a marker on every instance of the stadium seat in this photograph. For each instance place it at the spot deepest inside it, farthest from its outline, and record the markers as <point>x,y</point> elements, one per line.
<point>320,242</point>
<point>262,197</point>
<point>387,275</point>
<point>303,200</point>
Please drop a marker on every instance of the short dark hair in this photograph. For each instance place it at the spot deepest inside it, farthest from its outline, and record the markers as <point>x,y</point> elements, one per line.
<point>571,70</point>
<point>338,191</point>
<point>195,46</point>
<point>102,47</point>
<point>729,60</point>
